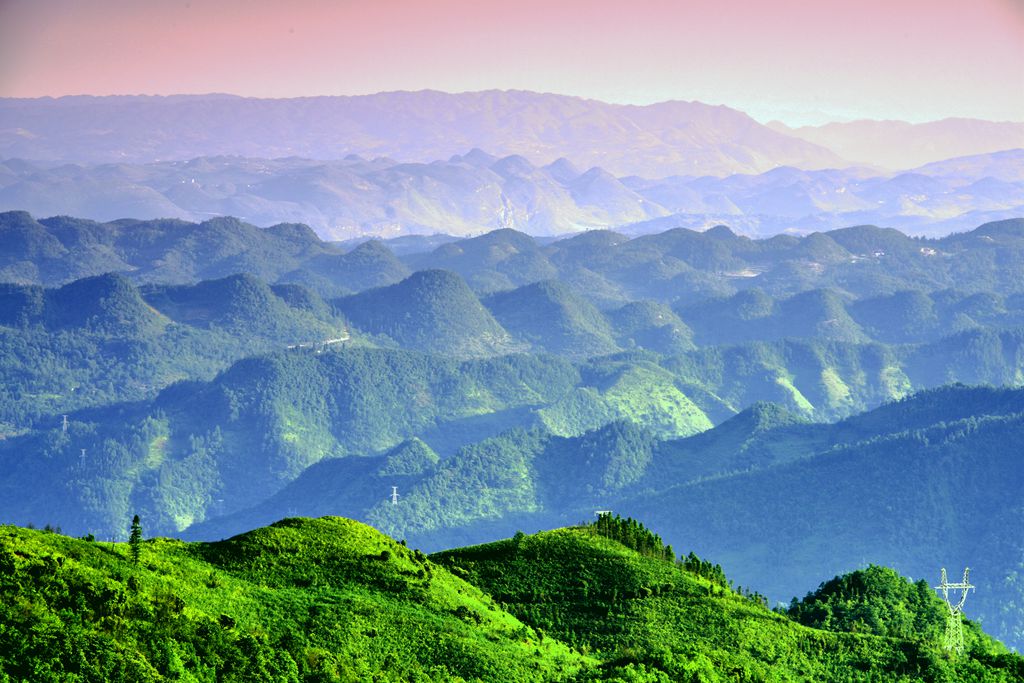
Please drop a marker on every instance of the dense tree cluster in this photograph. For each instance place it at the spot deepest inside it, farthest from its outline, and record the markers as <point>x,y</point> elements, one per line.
<point>632,534</point>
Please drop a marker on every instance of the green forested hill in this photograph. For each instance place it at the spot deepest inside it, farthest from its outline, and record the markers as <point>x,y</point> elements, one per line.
<point>107,304</point>
<point>685,265</point>
<point>59,249</point>
<point>244,306</point>
<point>304,600</point>
<point>550,317</point>
<point>431,310</point>
<point>333,600</point>
<point>830,380</point>
<point>606,589</point>
<point>102,340</point>
<point>370,264</point>
<point>874,600</point>
<point>815,314</point>
<point>900,317</point>
<point>228,443</point>
<point>260,423</point>
<point>499,260</point>
<point>934,481</point>
<point>857,285</point>
<point>650,325</point>
<point>492,484</point>
<point>676,265</point>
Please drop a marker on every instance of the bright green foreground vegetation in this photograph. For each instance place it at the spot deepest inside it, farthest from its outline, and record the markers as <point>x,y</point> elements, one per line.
<point>304,600</point>
<point>333,600</point>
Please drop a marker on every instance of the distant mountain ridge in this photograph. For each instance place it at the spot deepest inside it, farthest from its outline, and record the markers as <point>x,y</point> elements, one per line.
<point>654,140</point>
<point>474,192</point>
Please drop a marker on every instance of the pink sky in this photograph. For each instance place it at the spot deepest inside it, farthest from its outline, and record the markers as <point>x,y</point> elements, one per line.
<point>798,60</point>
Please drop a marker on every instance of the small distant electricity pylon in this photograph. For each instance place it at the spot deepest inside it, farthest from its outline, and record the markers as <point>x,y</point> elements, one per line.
<point>954,639</point>
<point>394,495</point>
<point>64,425</point>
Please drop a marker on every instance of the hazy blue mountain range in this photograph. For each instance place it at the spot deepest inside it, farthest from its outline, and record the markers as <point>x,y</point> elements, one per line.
<point>477,192</point>
<point>668,138</point>
<point>654,140</point>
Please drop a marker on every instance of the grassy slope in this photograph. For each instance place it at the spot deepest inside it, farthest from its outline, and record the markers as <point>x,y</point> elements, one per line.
<point>334,600</point>
<point>316,600</point>
<point>631,610</point>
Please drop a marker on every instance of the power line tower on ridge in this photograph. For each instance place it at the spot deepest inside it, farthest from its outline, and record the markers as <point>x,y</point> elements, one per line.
<point>954,638</point>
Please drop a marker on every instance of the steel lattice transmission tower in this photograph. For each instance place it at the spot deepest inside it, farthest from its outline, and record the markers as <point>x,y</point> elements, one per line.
<point>954,638</point>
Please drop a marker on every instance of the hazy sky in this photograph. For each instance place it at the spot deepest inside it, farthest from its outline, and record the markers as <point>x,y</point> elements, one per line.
<point>798,60</point>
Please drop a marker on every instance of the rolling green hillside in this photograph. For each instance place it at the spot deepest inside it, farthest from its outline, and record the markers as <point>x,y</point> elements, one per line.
<point>304,600</point>
<point>432,310</point>
<point>99,340</point>
<point>258,425</point>
<point>502,259</point>
<point>56,250</point>
<point>901,317</point>
<point>370,264</point>
<point>226,444</point>
<point>933,481</point>
<point>552,319</point>
<point>685,265</point>
<point>650,325</point>
<point>831,380</point>
<point>856,285</point>
<point>333,600</point>
<point>492,485</point>
<point>243,306</point>
<point>678,265</point>
<point>629,388</point>
<point>608,589</point>
<point>106,304</point>
<point>102,340</point>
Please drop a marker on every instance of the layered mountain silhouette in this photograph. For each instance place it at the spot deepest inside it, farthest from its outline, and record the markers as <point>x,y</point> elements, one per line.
<point>478,192</point>
<point>655,140</point>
